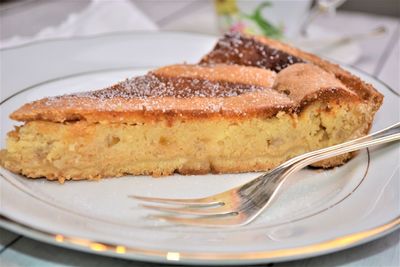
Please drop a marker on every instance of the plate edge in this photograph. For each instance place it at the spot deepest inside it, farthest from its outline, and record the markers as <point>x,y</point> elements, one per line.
<point>91,246</point>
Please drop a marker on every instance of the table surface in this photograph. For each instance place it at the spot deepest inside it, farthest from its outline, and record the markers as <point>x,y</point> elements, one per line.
<point>380,57</point>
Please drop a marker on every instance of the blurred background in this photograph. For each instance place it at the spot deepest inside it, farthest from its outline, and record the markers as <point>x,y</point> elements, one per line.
<point>362,33</point>
<point>28,17</point>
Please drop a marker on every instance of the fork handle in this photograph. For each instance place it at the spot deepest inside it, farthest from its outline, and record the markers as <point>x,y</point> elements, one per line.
<point>390,134</point>
<point>393,129</point>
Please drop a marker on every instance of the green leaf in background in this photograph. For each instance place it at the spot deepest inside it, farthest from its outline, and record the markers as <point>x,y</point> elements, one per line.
<point>266,27</point>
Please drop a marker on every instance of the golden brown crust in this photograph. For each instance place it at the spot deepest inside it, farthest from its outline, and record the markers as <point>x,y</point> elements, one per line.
<point>220,72</point>
<point>303,82</point>
<point>364,90</point>
<point>255,51</point>
<point>246,92</point>
<point>138,110</point>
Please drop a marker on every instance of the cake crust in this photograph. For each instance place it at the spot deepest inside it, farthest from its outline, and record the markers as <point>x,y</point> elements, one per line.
<point>191,93</point>
<point>231,49</point>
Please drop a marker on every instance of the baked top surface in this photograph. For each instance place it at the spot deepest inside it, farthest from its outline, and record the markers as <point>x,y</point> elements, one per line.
<point>194,91</point>
<point>268,53</point>
<point>241,77</point>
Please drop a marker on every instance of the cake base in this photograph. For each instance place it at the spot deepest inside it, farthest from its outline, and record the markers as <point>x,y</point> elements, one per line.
<point>87,150</point>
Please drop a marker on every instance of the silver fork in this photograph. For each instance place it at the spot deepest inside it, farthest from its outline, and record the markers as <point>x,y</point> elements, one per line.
<point>242,204</point>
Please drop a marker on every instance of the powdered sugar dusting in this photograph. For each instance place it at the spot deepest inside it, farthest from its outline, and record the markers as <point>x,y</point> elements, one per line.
<point>152,86</point>
<point>165,94</point>
<point>237,49</point>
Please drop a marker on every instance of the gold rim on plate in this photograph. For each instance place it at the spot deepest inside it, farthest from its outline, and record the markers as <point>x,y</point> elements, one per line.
<point>92,246</point>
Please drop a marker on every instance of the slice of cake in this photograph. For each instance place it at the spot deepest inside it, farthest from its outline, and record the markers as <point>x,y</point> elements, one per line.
<point>217,117</point>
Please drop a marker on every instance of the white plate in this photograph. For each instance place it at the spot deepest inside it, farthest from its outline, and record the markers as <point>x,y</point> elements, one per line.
<point>317,212</point>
